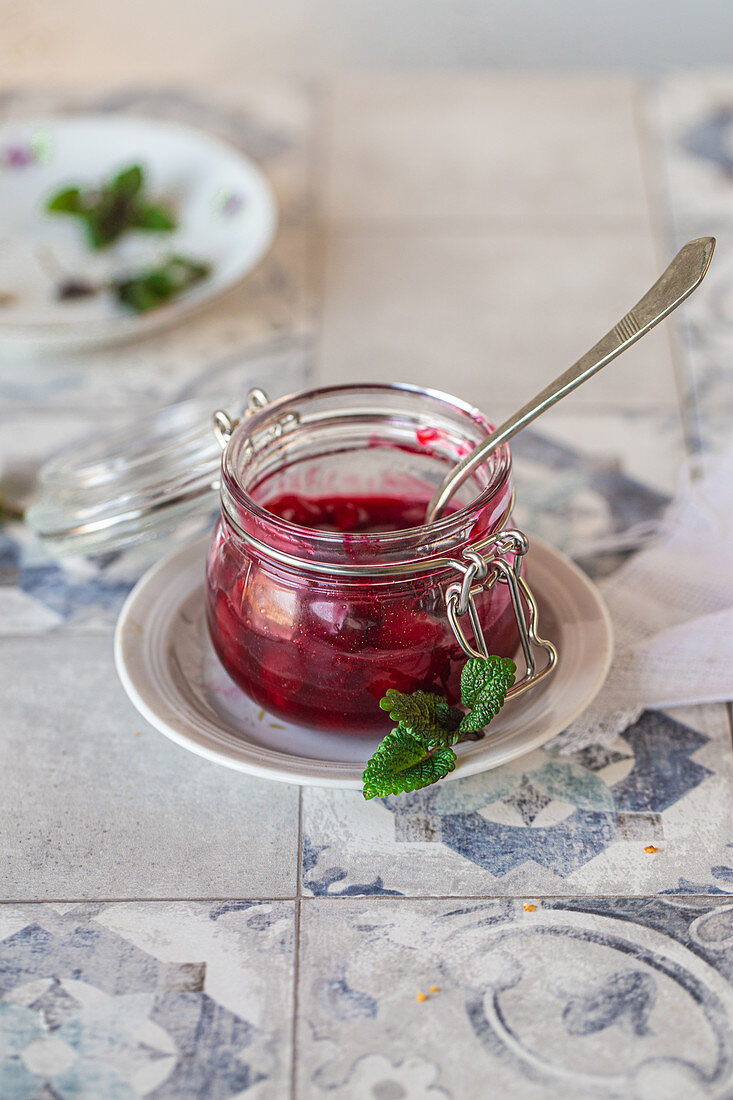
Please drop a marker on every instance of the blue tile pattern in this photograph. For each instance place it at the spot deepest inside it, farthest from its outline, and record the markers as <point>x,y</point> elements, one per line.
<point>86,1012</point>
<point>585,499</point>
<point>540,995</point>
<point>537,823</point>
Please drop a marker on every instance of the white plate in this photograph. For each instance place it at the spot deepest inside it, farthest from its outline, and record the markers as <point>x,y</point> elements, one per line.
<point>169,669</point>
<point>225,209</point>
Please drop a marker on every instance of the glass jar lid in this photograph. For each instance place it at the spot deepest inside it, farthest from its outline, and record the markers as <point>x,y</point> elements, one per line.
<point>157,476</point>
<point>163,474</point>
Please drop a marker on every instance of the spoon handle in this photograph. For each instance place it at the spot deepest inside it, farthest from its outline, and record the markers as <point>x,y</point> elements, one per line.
<point>683,275</point>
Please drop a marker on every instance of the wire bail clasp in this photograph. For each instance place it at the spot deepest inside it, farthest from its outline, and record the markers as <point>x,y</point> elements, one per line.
<point>224,424</point>
<point>480,572</point>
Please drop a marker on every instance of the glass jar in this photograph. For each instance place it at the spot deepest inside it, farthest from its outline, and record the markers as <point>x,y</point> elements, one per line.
<point>324,587</point>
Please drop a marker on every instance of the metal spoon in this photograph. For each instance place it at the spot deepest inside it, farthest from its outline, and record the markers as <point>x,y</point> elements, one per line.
<point>683,275</point>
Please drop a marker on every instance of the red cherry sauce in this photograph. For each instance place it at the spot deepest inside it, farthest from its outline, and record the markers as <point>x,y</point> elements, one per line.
<point>322,652</point>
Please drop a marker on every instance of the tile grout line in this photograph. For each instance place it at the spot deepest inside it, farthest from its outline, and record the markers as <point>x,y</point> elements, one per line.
<point>315,292</point>
<point>314,306</point>
<point>296,998</point>
<point>314,92</point>
<point>661,220</point>
<point>498,225</point>
<point>376,898</point>
<point>296,949</point>
<point>320,167</point>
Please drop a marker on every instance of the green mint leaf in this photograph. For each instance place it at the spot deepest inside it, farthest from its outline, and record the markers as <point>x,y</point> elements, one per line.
<point>484,684</point>
<point>140,293</point>
<point>402,762</point>
<point>97,232</point>
<point>428,716</point>
<point>129,182</point>
<point>115,207</point>
<point>153,217</point>
<point>111,217</point>
<point>67,201</point>
<point>155,286</point>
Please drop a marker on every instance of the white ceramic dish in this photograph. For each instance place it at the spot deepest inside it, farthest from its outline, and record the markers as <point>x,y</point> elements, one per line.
<point>225,208</point>
<point>169,669</point>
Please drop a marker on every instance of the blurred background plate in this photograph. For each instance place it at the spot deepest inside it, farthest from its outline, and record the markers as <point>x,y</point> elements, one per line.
<point>225,209</point>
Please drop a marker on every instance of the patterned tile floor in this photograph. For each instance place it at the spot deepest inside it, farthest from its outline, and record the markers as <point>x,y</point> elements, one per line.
<point>171,929</point>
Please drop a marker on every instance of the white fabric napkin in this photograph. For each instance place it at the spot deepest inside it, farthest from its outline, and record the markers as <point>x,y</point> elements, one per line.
<point>672,612</point>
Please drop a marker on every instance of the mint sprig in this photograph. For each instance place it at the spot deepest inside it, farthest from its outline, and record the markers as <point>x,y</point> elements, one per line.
<point>110,210</point>
<point>155,286</point>
<point>484,685</point>
<point>417,752</point>
<point>427,716</point>
<point>404,762</point>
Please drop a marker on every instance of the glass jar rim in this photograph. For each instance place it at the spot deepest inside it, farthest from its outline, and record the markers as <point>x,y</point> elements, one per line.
<point>233,492</point>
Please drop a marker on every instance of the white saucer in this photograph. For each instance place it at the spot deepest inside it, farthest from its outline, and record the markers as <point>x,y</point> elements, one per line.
<point>169,670</point>
<point>225,208</point>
